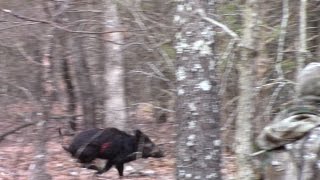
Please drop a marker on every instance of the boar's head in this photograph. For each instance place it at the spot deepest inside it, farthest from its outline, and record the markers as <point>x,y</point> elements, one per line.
<point>146,146</point>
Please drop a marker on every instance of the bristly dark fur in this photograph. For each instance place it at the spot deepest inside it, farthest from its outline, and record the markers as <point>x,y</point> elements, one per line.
<point>113,145</point>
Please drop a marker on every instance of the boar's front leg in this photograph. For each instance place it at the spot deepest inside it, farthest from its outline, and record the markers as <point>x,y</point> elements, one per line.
<point>120,169</point>
<point>106,168</point>
<point>120,162</point>
<point>129,158</point>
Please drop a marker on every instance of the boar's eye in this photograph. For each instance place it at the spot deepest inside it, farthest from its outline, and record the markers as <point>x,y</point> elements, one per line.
<point>148,145</point>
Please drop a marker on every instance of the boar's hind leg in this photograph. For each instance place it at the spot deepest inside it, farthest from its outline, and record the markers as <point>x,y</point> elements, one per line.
<point>91,166</point>
<point>87,155</point>
<point>120,169</point>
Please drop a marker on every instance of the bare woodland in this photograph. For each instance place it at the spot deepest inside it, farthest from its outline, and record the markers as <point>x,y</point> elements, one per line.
<point>200,78</point>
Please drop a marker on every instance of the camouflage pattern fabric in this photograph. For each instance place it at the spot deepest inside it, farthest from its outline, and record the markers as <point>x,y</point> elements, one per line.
<point>293,123</point>
<point>288,127</point>
<point>298,160</point>
<point>292,140</point>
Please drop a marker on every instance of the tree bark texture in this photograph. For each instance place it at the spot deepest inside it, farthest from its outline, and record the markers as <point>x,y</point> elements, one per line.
<point>115,104</point>
<point>38,170</point>
<point>67,77</point>
<point>302,51</point>
<point>83,73</point>
<point>245,108</point>
<point>198,141</point>
<point>86,88</point>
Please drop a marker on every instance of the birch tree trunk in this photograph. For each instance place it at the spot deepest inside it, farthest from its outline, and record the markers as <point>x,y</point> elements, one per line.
<point>198,142</point>
<point>115,104</point>
<point>245,108</point>
<point>302,52</point>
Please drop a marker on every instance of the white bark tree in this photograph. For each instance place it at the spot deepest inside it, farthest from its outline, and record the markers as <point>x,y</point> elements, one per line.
<point>245,108</point>
<point>198,143</point>
<point>302,51</point>
<point>115,104</point>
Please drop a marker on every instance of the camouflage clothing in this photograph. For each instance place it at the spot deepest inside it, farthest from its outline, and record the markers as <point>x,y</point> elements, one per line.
<point>308,81</point>
<point>293,138</point>
<point>288,126</point>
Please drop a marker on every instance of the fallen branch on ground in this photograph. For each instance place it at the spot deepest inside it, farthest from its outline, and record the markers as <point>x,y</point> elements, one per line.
<point>3,135</point>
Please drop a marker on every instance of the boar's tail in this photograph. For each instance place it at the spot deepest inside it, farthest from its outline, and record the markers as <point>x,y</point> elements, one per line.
<point>60,132</point>
<point>66,148</point>
<point>61,140</point>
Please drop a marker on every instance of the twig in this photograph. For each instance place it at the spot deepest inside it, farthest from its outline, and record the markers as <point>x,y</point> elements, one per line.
<point>258,153</point>
<point>24,17</point>
<point>23,89</point>
<point>3,135</point>
<point>235,39</point>
<point>138,17</point>
<point>272,101</point>
<point>18,25</point>
<point>60,27</point>
<point>156,70</point>
<point>155,107</point>
<point>25,55</point>
<point>222,26</point>
<point>150,74</point>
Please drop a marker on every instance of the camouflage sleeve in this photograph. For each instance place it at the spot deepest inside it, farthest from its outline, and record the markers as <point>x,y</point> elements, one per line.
<point>298,160</point>
<point>286,129</point>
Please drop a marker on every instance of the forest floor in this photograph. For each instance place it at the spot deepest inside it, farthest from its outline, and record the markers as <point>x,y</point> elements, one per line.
<point>17,154</point>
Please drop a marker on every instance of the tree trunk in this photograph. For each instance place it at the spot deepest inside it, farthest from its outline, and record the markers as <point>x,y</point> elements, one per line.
<point>86,88</point>
<point>68,79</point>
<point>115,104</point>
<point>83,72</point>
<point>302,51</point>
<point>245,109</point>
<point>198,142</point>
<point>38,170</point>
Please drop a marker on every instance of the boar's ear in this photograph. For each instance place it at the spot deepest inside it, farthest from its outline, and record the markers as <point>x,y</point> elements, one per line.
<point>138,133</point>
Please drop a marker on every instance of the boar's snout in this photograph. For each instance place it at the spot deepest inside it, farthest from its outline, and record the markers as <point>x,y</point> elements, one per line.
<point>157,153</point>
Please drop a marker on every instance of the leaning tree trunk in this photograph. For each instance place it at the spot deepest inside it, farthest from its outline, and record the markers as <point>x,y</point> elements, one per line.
<point>244,129</point>
<point>198,142</point>
<point>115,104</point>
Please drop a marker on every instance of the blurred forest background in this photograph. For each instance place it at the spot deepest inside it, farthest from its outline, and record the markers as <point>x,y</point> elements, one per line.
<point>76,64</point>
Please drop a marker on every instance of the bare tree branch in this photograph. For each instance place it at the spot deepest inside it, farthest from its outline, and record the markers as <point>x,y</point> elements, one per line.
<point>55,25</point>
<point>149,74</point>
<point>23,89</point>
<point>18,25</point>
<point>7,133</point>
<point>138,17</point>
<point>222,26</point>
<point>25,55</point>
<point>281,41</point>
